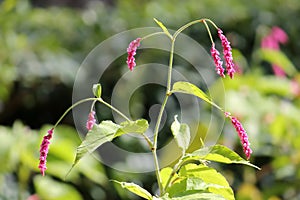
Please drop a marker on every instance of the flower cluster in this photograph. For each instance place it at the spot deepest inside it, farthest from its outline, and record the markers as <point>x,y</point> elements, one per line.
<point>91,120</point>
<point>131,50</point>
<point>241,133</point>
<point>216,56</point>
<point>44,151</point>
<point>227,54</point>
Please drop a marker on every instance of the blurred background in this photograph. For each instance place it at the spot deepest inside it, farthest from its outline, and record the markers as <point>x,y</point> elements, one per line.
<point>43,43</point>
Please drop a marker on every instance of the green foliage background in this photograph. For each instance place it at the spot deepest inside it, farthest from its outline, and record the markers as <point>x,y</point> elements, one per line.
<point>42,46</point>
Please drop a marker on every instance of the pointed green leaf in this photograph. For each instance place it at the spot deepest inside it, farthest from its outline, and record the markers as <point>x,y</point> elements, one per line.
<point>136,189</point>
<point>220,153</point>
<point>97,90</point>
<point>139,126</point>
<point>278,58</point>
<point>163,27</point>
<point>104,132</point>
<point>189,88</point>
<point>181,134</point>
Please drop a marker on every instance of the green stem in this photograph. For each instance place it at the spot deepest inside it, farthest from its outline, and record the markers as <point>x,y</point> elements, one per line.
<point>154,149</point>
<point>152,34</point>
<point>170,68</point>
<point>168,93</point>
<point>73,106</point>
<point>186,26</point>
<point>114,109</point>
<point>175,169</point>
<point>209,33</point>
<point>206,19</point>
<point>148,141</point>
<point>91,99</point>
<point>162,108</point>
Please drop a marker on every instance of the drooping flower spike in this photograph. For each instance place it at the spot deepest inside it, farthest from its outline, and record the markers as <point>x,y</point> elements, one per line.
<point>44,148</point>
<point>217,60</point>
<point>241,133</point>
<point>91,120</point>
<point>227,53</point>
<point>131,50</point>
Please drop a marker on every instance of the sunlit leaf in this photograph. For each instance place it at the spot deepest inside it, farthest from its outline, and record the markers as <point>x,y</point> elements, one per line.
<point>219,153</point>
<point>97,90</point>
<point>187,186</point>
<point>165,174</point>
<point>136,189</point>
<point>197,196</point>
<point>189,88</point>
<point>214,181</point>
<point>181,134</point>
<point>139,126</point>
<point>200,196</point>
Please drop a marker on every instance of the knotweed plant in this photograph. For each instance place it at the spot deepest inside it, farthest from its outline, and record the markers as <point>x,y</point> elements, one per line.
<point>191,177</point>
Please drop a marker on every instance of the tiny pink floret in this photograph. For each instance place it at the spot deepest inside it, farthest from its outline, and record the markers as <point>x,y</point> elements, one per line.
<point>217,60</point>
<point>91,120</point>
<point>44,148</point>
<point>131,50</point>
<point>227,53</point>
<point>242,134</point>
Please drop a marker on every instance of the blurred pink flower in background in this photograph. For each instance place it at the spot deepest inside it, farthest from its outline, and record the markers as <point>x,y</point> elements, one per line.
<point>272,41</point>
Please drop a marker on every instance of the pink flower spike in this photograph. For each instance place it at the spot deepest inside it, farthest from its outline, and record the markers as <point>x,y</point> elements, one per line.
<point>44,148</point>
<point>131,50</point>
<point>242,134</point>
<point>227,54</point>
<point>218,63</point>
<point>91,120</point>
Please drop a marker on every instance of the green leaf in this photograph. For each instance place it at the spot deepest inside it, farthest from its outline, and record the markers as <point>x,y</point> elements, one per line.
<point>139,126</point>
<point>163,27</point>
<point>189,88</point>
<point>165,174</point>
<point>136,189</point>
<point>97,90</point>
<point>219,153</point>
<point>200,196</point>
<point>278,58</point>
<point>187,186</point>
<point>214,181</point>
<point>181,134</point>
<point>197,196</point>
<point>104,132</point>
